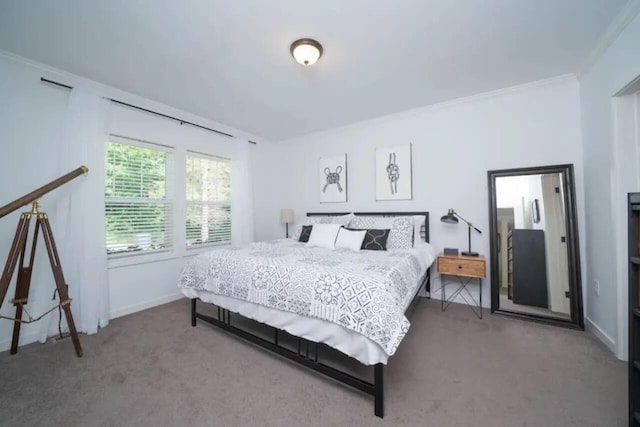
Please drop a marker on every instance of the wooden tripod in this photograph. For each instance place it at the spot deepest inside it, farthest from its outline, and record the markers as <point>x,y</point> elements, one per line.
<point>17,251</point>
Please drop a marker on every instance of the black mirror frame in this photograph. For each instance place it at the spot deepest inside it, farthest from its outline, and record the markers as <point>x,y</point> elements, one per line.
<point>573,247</point>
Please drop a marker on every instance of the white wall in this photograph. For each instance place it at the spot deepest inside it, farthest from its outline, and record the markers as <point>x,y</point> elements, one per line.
<point>270,181</point>
<point>32,118</point>
<point>454,145</point>
<point>608,178</point>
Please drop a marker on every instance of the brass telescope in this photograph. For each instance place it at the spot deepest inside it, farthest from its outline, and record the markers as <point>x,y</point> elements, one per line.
<point>36,194</point>
<point>19,254</point>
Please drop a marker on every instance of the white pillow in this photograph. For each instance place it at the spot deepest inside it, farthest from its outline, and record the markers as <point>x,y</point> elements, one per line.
<point>324,235</point>
<point>350,239</point>
<point>312,220</point>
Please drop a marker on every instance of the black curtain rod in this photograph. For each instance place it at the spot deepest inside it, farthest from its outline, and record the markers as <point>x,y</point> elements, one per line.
<point>182,122</point>
<point>42,79</point>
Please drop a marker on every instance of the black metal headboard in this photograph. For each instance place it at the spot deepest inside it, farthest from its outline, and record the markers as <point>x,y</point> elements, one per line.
<point>424,230</point>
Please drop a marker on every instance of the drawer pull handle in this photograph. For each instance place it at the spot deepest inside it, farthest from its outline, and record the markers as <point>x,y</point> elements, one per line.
<point>459,266</point>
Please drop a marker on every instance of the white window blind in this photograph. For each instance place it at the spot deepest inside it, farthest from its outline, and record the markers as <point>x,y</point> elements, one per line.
<point>208,194</point>
<point>138,211</point>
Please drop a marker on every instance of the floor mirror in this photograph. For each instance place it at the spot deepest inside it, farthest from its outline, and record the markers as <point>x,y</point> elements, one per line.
<point>535,262</point>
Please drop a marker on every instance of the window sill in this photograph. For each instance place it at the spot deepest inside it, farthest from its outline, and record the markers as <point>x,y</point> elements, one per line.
<point>126,261</point>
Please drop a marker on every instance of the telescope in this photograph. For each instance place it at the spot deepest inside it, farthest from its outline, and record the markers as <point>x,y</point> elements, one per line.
<point>18,252</point>
<point>36,194</point>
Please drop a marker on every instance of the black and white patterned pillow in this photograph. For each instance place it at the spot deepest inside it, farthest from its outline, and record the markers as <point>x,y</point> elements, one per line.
<point>305,233</point>
<point>342,220</point>
<point>401,229</point>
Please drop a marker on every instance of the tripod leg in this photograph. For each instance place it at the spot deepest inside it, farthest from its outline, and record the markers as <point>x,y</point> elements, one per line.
<point>12,259</point>
<point>61,285</point>
<point>22,287</point>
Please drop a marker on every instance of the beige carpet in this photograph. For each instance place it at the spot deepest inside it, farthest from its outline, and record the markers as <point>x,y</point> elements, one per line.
<point>153,369</point>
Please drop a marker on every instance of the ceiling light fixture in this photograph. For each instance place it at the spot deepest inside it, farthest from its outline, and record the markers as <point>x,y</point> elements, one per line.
<point>306,51</point>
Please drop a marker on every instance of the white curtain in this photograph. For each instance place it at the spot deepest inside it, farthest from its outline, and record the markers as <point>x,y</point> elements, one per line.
<point>241,194</point>
<point>78,219</point>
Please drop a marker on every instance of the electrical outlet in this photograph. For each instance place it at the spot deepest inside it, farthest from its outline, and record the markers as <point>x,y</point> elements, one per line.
<point>596,287</point>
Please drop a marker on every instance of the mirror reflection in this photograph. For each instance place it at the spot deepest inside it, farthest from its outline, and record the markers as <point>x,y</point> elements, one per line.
<point>532,245</point>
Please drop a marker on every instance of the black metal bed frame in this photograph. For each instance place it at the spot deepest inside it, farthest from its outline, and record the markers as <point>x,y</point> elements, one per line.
<point>310,359</point>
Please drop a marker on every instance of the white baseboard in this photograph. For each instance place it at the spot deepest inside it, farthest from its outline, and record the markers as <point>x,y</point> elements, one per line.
<point>145,305</point>
<point>24,340</point>
<point>600,334</point>
<point>31,337</point>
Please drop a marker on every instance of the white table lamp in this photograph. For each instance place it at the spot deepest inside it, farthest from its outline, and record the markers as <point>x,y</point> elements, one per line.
<point>286,217</point>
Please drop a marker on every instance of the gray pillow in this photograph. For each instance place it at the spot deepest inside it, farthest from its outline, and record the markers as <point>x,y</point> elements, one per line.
<point>401,229</point>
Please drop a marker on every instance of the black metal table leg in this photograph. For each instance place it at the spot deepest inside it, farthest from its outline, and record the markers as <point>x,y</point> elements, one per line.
<point>475,306</point>
<point>378,383</point>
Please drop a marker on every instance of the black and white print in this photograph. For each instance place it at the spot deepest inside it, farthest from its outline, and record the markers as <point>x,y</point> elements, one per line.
<point>393,173</point>
<point>363,292</point>
<point>333,179</point>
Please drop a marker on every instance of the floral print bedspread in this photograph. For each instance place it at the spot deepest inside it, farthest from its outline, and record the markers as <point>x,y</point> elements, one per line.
<point>365,291</point>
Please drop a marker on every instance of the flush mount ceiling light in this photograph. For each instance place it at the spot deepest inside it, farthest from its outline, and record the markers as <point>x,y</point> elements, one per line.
<point>306,51</point>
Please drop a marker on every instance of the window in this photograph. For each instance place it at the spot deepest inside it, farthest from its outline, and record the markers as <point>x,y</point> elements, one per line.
<point>138,210</point>
<point>208,194</point>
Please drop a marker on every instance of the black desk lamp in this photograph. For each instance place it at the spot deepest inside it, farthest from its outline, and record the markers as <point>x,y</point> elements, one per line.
<point>452,218</point>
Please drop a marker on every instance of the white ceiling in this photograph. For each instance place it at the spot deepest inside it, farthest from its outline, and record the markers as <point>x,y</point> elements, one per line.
<point>229,60</point>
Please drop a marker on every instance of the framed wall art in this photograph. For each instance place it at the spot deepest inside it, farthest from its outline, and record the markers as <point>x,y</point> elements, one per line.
<point>393,173</point>
<point>333,179</point>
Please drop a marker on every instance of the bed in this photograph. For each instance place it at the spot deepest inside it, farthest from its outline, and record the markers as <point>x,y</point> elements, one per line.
<point>354,302</point>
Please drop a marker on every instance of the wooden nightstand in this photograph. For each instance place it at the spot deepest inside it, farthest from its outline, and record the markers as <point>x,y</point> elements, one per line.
<point>465,269</point>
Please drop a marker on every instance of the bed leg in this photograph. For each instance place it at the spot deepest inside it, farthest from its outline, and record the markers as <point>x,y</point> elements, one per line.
<point>193,312</point>
<point>378,382</point>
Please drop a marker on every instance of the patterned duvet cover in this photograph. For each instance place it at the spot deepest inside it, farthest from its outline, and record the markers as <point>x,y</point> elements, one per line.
<point>365,291</point>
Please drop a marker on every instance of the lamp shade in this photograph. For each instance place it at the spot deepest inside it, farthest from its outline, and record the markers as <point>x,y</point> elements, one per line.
<point>450,217</point>
<point>286,216</point>
<point>306,51</point>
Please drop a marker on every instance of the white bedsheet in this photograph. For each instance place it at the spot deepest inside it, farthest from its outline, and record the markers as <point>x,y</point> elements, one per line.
<point>351,343</point>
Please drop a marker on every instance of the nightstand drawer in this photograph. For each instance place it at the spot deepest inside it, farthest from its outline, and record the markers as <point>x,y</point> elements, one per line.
<point>462,266</point>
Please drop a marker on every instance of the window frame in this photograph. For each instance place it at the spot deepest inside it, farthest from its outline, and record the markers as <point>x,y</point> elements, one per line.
<point>204,246</point>
<point>138,257</point>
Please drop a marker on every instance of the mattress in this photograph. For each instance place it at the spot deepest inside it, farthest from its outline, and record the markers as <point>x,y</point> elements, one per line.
<point>351,301</point>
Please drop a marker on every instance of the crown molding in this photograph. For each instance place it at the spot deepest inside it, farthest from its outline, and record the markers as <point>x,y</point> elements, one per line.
<point>631,88</point>
<point>615,28</point>
<point>563,78</point>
